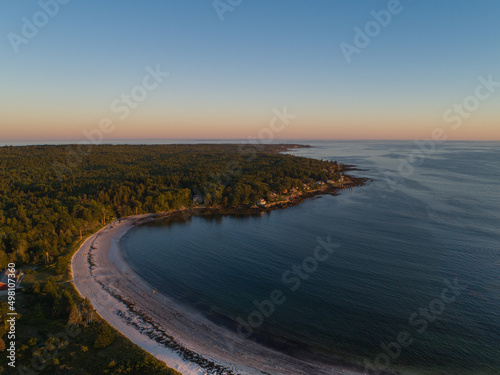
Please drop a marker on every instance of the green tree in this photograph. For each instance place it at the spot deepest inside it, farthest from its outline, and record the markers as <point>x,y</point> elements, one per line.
<point>105,337</point>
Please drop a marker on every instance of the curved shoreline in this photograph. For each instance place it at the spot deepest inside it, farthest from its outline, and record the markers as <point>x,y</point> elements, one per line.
<point>184,339</point>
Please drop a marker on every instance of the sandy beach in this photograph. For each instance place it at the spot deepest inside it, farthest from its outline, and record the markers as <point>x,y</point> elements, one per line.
<point>184,339</point>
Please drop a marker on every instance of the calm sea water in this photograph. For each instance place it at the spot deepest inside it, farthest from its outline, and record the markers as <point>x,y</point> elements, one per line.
<point>400,241</point>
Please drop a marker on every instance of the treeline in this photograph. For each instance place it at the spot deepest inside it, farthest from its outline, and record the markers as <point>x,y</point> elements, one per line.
<point>49,197</point>
<point>59,333</point>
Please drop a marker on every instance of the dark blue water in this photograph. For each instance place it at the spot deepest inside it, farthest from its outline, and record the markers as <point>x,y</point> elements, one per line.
<point>400,240</point>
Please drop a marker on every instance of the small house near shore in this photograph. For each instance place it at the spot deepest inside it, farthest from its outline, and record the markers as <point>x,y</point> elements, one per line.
<point>261,203</point>
<point>4,279</point>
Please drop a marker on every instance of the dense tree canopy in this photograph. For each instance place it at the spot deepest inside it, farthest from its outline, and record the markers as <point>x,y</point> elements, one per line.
<point>52,195</point>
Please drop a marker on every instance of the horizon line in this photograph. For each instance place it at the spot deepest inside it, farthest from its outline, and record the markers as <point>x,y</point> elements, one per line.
<point>16,143</point>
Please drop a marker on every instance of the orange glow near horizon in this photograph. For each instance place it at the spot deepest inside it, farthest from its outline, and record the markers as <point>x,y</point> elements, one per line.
<point>179,127</point>
<point>155,123</point>
<point>185,130</point>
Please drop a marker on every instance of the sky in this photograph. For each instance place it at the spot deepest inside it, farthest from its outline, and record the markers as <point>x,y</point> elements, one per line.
<point>230,69</point>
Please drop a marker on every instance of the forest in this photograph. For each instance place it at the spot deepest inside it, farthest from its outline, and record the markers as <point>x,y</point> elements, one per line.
<point>49,198</point>
<point>53,197</point>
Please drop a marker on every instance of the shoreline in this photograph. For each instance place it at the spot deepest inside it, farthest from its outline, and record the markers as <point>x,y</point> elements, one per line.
<point>184,339</point>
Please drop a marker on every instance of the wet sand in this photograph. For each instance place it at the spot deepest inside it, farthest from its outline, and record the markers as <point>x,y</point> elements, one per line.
<point>181,337</point>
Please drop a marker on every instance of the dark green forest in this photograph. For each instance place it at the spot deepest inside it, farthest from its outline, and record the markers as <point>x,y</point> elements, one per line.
<point>51,196</point>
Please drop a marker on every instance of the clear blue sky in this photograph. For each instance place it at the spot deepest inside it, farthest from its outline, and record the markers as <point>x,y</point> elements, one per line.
<point>226,77</point>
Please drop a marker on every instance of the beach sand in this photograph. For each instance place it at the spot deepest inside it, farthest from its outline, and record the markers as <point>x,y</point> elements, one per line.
<point>184,339</point>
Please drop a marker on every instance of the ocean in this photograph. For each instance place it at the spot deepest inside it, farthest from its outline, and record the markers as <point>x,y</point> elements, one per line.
<point>400,274</point>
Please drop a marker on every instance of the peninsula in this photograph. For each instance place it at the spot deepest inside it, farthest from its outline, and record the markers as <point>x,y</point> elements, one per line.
<point>53,198</point>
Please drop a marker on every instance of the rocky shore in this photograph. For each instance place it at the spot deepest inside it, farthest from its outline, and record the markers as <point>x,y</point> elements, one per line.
<point>183,338</point>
